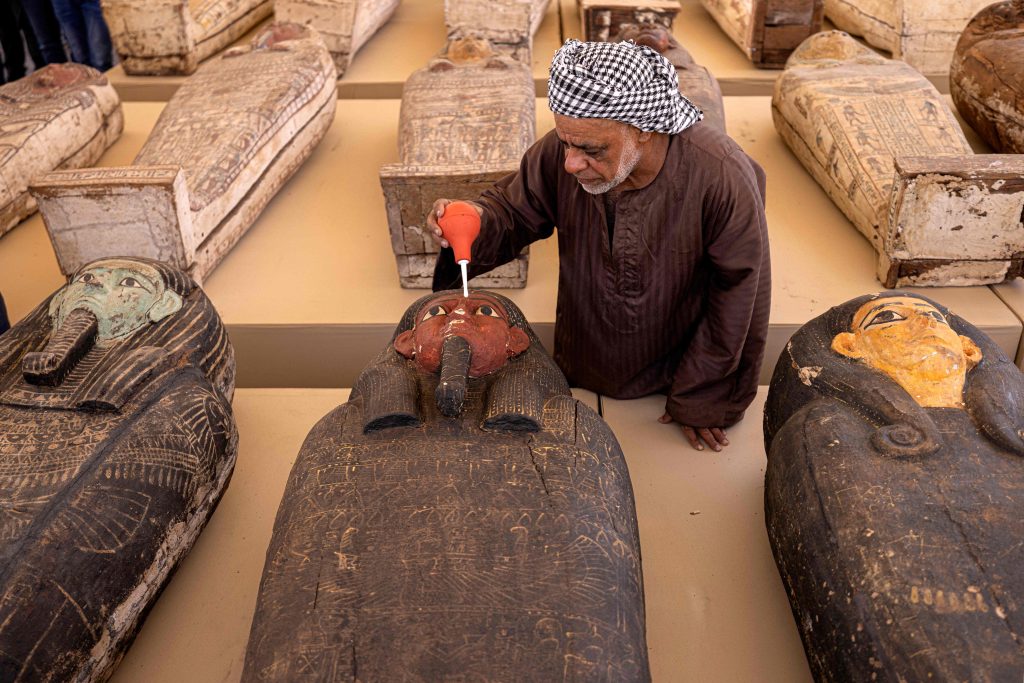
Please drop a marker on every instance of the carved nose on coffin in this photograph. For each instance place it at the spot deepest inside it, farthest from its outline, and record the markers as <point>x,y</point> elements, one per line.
<point>66,347</point>
<point>451,388</point>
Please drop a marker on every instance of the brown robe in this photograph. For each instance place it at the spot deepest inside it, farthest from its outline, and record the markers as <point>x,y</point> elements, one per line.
<point>678,303</point>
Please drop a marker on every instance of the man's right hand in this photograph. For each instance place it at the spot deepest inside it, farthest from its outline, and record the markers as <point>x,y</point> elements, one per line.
<point>436,212</point>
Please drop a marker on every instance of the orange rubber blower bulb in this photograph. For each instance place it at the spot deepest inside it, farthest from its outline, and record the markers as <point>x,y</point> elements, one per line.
<point>460,225</point>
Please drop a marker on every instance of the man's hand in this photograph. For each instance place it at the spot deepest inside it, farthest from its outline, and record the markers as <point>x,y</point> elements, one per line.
<point>713,436</point>
<point>436,211</point>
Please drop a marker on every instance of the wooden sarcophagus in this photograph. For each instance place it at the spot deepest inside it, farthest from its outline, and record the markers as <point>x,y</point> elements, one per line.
<point>880,140</point>
<point>344,25</point>
<point>922,33</point>
<point>224,145</point>
<point>601,20</point>
<point>695,81</point>
<point>161,37</point>
<point>767,31</point>
<point>462,517</point>
<point>894,493</point>
<point>986,77</point>
<point>116,443</point>
<point>466,121</point>
<point>61,116</point>
<point>508,25</point>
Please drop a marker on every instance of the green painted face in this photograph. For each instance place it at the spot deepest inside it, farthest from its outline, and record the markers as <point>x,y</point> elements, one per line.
<point>123,295</point>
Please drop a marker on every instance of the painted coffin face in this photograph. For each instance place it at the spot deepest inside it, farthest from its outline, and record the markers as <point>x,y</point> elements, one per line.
<point>480,320</point>
<point>122,295</point>
<point>910,340</point>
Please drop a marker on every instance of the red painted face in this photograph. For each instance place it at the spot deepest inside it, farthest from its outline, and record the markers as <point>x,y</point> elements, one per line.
<point>481,320</point>
<point>57,76</point>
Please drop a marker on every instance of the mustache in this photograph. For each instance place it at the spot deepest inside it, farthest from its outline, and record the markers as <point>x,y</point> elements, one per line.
<point>66,346</point>
<point>451,388</point>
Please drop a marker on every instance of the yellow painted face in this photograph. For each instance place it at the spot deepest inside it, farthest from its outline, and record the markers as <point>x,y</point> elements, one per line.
<point>910,341</point>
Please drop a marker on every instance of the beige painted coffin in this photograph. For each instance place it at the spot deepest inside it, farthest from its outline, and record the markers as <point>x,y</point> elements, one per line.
<point>61,116</point>
<point>922,33</point>
<point>986,77</point>
<point>509,25</point>
<point>602,20</point>
<point>766,30</point>
<point>878,137</point>
<point>225,143</point>
<point>172,36</point>
<point>456,148</point>
<point>344,25</point>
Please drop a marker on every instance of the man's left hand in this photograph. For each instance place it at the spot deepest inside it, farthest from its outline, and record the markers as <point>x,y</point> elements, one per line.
<point>713,436</point>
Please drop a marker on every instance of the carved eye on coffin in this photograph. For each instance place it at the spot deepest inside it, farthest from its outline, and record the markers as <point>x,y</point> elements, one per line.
<point>130,282</point>
<point>487,310</point>
<point>883,317</point>
<point>434,311</point>
<point>88,278</point>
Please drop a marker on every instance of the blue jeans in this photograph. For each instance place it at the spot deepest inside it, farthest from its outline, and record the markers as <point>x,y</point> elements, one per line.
<point>86,32</point>
<point>47,31</point>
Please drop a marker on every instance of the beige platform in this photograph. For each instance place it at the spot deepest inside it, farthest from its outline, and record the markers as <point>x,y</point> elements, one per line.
<point>716,610</point>
<point>716,607</point>
<point>405,43</point>
<point>311,292</point>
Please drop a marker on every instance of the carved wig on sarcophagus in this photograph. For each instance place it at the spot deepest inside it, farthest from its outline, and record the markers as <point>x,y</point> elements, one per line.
<point>509,25</point>
<point>766,30</point>
<point>986,77</point>
<point>462,517</point>
<point>894,493</point>
<point>878,137</point>
<point>61,116</point>
<point>116,443</point>
<point>161,37</point>
<point>922,33</point>
<point>224,145</point>
<point>695,81</point>
<point>466,121</point>
<point>601,20</point>
<point>344,25</point>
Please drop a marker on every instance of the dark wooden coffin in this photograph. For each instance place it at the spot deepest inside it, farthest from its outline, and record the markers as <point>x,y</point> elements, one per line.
<point>116,443</point>
<point>897,528</point>
<point>767,31</point>
<point>499,544</point>
<point>986,77</point>
<point>695,81</point>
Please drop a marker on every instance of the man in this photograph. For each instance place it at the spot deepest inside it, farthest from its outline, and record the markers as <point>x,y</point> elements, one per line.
<point>664,276</point>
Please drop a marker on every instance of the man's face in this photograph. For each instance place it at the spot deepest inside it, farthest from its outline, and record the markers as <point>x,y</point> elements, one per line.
<point>480,319</point>
<point>909,340</point>
<point>600,153</point>
<point>123,296</point>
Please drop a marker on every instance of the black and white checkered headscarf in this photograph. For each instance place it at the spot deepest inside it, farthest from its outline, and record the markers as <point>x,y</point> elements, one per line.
<point>621,81</point>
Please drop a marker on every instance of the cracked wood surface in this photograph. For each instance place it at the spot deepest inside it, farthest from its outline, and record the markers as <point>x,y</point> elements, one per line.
<point>767,31</point>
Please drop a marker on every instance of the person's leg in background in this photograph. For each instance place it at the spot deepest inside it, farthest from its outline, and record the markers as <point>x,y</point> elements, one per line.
<point>47,31</point>
<point>101,52</point>
<point>73,27</point>
<point>11,43</point>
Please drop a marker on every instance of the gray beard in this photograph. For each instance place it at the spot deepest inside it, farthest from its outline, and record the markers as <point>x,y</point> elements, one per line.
<point>627,163</point>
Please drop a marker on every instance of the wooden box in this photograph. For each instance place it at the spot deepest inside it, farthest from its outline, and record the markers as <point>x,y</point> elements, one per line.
<point>344,25</point>
<point>172,36</point>
<point>767,31</point>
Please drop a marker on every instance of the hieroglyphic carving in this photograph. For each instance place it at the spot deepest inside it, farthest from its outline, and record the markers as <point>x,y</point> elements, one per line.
<point>465,122</point>
<point>344,25</point>
<point>116,442</point>
<point>922,33</point>
<point>172,36</point>
<point>61,116</point>
<point>894,493</point>
<point>695,82</point>
<point>601,20</point>
<point>226,142</point>
<point>986,77</point>
<point>498,543</point>
<point>509,25</point>
<point>767,31</point>
<point>880,140</point>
